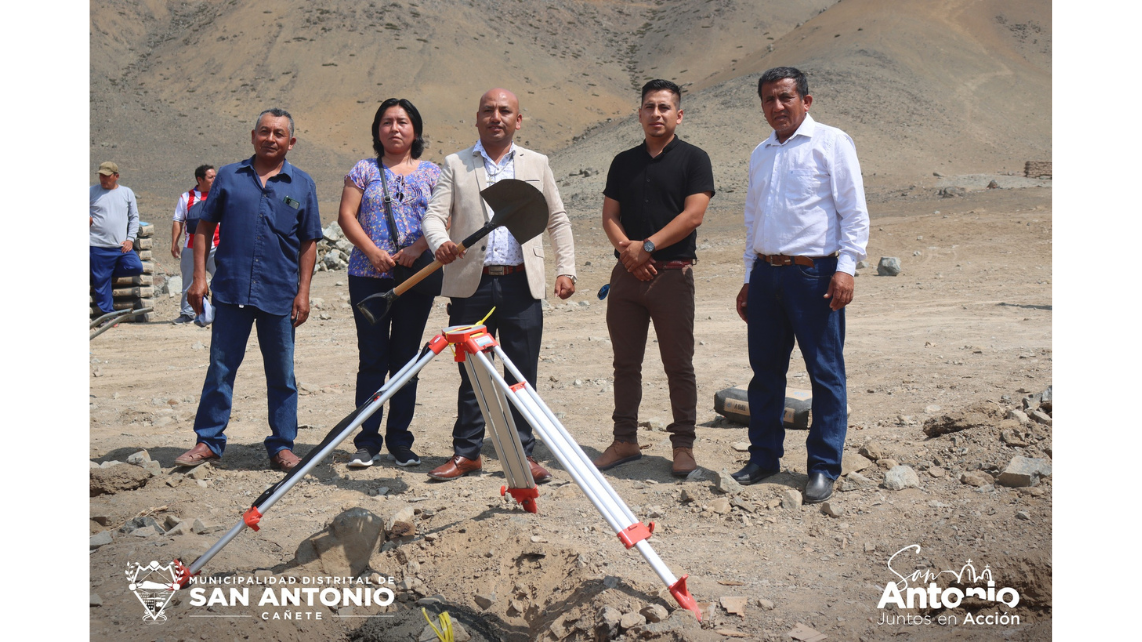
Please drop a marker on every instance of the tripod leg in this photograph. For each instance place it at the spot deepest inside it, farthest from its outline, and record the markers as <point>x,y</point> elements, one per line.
<point>339,434</point>
<point>501,424</point>
<point>618,516</point>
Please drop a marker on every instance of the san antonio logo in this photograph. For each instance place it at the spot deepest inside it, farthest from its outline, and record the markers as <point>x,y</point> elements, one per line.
<point>919,589</point>
<point>154,586</point>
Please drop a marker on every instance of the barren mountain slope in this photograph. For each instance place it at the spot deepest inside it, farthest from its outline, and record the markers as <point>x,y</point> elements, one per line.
<point>922,87</point>
<point>175,84</point>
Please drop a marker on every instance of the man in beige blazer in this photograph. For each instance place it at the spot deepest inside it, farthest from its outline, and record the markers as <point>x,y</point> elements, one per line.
<point>499,272</point>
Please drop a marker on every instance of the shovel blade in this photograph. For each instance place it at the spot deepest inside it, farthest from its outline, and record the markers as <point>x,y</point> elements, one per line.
<point>377,306</point>
<point>518,206</point>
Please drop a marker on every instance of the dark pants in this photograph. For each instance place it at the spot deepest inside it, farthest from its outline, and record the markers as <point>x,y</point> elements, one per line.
<point>228,336</point>
<point>668,301</point>
<point>518,322</point>
<point>108,263</point>
<point>787,303</point>
<point>383,350</point>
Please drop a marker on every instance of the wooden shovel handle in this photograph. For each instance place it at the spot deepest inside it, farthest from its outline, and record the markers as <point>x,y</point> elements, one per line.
<point>411,281</point>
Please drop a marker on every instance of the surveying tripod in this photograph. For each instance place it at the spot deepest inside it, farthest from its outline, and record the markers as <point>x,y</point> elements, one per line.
<point>473,346</point>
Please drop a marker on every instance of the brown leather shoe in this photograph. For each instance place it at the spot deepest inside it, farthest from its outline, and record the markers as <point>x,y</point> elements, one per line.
<point>200,454</point>
<point>619,452</point>
<point>284,460</point>
<point>684,463</point>
<point>538,473</point>
<point>456,467</point>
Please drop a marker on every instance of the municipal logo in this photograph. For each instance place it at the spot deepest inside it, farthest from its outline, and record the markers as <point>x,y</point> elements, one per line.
<point>154,586</point>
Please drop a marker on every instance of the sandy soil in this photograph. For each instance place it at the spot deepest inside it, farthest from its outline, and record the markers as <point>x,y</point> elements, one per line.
<point>968,321</point>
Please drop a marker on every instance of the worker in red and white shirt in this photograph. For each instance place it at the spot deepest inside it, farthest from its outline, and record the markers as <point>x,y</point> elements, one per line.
<point>204,175</point>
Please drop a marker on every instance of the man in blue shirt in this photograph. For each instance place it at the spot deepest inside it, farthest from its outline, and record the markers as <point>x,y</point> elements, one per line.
<point>264,264</point>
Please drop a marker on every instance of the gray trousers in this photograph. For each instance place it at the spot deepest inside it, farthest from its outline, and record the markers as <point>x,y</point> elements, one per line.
<point>186,264</point>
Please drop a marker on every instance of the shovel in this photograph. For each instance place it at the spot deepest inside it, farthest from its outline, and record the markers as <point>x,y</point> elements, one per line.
<point>518,206</point>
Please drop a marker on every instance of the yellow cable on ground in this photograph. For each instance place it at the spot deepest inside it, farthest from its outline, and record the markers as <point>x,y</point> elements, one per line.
<point>444,633</point>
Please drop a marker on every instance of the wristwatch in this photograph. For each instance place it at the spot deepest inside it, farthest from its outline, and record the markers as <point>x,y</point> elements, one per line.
<point>648,246</point>
<point>572,277</point>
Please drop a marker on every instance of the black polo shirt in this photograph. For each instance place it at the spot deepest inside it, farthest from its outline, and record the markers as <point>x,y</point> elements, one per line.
<point>652,191</point>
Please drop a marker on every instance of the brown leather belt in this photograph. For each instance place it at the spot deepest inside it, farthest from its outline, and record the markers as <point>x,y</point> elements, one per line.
<point>672,265</point>
<point>778,260</point>
<point>501,270</point>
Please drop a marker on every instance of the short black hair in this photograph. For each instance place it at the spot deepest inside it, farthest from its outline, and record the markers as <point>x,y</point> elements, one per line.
<point>781,73</point>
<point>659,84</point>
<point>413,115</point>
<point>200,171</point>
<point>276,112</point>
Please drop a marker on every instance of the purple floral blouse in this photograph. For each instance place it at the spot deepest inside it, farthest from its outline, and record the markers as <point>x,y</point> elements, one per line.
<point>410,196</point>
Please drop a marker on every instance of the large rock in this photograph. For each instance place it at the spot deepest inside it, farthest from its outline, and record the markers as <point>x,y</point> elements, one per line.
<point>1018,415</point>
<point>344,548</point>
<point>791,500</point>
<point>735,604</point>
<point>654,612</point>
<point>100,539</point>
<point>873,451</point>
<point>851,463</point>
<point>1022,472</point>
<point>901,477</point>
<point>888,266</point>
<point>856,481</point>
<point>977,478</point>
<point>332,233</point>
<point>724,483</point>
<point>607,622</point>
<point>108,481</point>
<point>631,620</point>
<point>401,523</point>
<point>142,523</point>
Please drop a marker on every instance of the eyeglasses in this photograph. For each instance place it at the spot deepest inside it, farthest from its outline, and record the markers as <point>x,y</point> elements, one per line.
<point>397,193</point>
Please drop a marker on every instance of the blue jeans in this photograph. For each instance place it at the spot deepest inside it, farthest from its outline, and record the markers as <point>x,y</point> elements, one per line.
<point>108,263</point>
<point>384,349</point>
<point>786,303</point>
<point>228,336</point>
<point>518,320</point>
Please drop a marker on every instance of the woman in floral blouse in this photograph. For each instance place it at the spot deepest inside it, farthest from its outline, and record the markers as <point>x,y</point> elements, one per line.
<point>384,348</point>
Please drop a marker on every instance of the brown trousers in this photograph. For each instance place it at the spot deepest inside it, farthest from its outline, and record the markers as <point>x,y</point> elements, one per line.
<point>668,301</point>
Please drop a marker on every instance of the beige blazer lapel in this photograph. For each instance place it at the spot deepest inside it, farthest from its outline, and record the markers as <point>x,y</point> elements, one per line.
<point>475,163</point>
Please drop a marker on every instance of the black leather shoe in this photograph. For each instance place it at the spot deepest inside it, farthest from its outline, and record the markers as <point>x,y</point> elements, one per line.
<point>752,473</point>
<point>818,488</point>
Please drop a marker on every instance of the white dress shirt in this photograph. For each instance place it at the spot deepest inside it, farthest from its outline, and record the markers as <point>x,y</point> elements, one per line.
<point>503,249</point>
<point>806,198</point>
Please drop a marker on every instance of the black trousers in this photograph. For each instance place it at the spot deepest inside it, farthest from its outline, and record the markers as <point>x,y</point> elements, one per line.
<point>383,350</point>
<point>517,324</point>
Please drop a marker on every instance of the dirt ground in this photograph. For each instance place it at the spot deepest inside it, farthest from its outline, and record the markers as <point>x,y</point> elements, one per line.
<point>967,321</point>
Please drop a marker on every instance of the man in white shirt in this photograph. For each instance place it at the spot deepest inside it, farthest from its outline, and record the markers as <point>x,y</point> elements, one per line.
<point>499,272</point>
<point>204,177</point>
<point>806,228</point>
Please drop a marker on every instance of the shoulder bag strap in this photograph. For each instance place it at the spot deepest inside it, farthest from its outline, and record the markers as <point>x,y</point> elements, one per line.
<point>394,235</point>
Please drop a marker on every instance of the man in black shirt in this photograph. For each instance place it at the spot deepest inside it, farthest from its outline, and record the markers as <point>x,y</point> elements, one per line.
<point>655,198</point>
